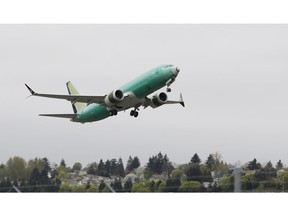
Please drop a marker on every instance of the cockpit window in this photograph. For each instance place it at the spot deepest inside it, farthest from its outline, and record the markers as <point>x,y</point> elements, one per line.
<point>166,66</point>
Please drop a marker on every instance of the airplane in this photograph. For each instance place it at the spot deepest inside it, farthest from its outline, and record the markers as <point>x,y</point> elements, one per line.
<point>132,95</point>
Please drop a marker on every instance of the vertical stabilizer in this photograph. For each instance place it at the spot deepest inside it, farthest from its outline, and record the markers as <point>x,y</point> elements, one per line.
<point>77,106</point>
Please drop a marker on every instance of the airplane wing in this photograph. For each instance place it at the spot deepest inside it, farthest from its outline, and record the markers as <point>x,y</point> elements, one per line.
<point>72,98</point>
<point>149,102</point>
<point>60,115</point>
<point>174,102</point>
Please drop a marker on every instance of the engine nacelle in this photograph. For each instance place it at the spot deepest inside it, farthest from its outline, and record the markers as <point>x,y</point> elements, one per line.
<point>114,97</point>
<point>159,99</point>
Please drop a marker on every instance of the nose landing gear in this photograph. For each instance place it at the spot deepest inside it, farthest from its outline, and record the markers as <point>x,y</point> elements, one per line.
<point>169,82</point>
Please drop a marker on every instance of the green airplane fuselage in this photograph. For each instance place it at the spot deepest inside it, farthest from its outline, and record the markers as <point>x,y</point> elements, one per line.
<point>135,91</point>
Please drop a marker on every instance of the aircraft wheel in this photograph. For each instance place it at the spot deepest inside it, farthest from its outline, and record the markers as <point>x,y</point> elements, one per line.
<point>115,112</point>
<point>168,89</point>
<point>132,113</point>
<point>136,114</point>
<point>111,113</point>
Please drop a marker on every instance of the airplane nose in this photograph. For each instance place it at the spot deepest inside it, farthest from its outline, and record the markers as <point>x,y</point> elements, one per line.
<point>176,70</point>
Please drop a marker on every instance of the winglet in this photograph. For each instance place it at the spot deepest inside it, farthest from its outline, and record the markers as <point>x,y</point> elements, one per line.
<point>32,92</point>
<point>181,100</point>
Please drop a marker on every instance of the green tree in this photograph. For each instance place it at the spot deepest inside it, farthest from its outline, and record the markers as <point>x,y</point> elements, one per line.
<point>119,171</point>
<point>129,164</point>
<point>100,170</point>
<point>141,187</point>
<point>193,172</point>
<point>77,166</point>
<point>106,190</point>
<point>117,185</point>
<point>113,167</point>
<point>35,163</point>
<point>135,163</point>
<point>16,168</point>
<point>107,168</point>
<point>279,165</point>
<point>172,185</point>
<point>79,188</point>
<point>128,185</point>
<point>161,186</point>
<point>190,186</point>
<point>92,168</point>
<point>132,164</point>
<point>159,163</point>
<point>65,187</point>
<point>177,174</point>
<point>248,182</point>
<point>210,162</point>
<point>62,163</point>
<point>101,187</point>
<point>61,172</point>
<point>34,179</point>
<point>195,159</point>
<point>205,174</point>
<point>227,184</point>
<point>253,165</point>
<point>268,173</point>
<point>92,188</point>
<point>283,179</point>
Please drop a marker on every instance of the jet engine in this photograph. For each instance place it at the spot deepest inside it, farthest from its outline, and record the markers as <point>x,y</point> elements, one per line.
<point>159,99</point>
<point>114,97</point>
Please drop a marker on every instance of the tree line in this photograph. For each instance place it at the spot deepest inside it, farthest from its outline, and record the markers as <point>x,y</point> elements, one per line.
<point>159,174</point>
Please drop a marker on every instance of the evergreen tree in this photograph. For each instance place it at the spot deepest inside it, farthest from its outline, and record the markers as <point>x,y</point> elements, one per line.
<point>62,163</point>
<point>117,185</point>
<point>92,169</point>
<point>152,186</point>
<point>135,163</point>
<point>35,178</point>
<point>128,185</point>
<point>101,170</point>
<point>129,164</point>
<point>210,162</point>
<point>268,173</point>
<point>193,172</point>
<point>120,168</point>
<point>113,167</point>
<point>101,186</point>
<point>279,165</point>
<point>253,165</point>
<point>157,164</point>
<point>107,168</point>
<point>195,159</point>
<point>132,163</point>
<point>172,185</point>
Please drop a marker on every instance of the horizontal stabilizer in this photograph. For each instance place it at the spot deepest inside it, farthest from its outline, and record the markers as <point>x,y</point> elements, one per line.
<point>71,116</point>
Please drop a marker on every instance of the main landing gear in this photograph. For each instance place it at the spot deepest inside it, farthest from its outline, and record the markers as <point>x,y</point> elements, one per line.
<point>113,112</point>
<point>134,113</point>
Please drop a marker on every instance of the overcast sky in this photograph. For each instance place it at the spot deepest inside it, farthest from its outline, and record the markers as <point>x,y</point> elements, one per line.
<point>233,79</point>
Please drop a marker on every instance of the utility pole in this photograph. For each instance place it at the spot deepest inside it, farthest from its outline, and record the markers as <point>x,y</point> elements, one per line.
<point>237,179</point>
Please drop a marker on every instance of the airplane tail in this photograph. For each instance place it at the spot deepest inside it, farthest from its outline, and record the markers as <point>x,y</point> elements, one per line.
<point>77,106</point>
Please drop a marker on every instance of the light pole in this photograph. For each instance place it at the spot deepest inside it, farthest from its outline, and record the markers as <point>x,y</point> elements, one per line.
<point>283,188</point>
